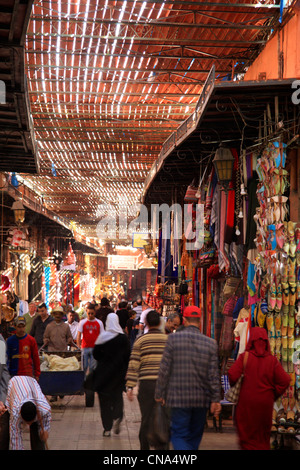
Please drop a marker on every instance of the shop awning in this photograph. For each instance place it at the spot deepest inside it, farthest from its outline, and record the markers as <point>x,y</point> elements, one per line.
<point>109,81</point>
<point>18,150</point>
<point>238,114</point>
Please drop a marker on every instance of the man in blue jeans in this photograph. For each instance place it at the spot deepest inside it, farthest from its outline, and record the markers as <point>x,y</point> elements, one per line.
<point>189,382</point>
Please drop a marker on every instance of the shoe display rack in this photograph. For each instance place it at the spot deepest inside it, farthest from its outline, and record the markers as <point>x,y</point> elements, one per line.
<point>277,273</point>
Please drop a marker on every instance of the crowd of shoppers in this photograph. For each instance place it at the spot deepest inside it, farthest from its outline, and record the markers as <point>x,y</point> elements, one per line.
<point>133,346</point>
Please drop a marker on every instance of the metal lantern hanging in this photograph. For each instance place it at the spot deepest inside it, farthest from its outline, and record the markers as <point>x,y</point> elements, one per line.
<point>148,249</point>
<point>223,163</point>
<point>19,212</point>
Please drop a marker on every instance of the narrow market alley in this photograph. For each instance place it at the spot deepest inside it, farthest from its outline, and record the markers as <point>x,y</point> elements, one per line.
<point>150,185</point>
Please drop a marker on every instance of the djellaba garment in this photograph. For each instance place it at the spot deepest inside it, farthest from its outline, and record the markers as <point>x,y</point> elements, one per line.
<point>264,382</point>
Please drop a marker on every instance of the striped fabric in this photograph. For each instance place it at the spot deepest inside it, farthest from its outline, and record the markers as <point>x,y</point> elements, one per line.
<point>20,390</point>
<point>225,386</point>
<point>145,357</point>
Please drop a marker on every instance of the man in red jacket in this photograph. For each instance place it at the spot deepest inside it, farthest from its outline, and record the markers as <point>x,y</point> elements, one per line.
<point>22,352</point>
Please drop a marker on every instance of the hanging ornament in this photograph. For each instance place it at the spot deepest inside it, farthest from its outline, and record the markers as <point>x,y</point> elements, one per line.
<point>15,237</point>
<point>69,261</point>
<point>14,181</point>
<point>5,283</point>
<point>53,170</point>
<point>243,191</point>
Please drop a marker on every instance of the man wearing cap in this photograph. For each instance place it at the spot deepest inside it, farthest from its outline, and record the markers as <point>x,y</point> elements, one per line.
<point>57,336</point>
<point>22,352</point>
<point>189,381</point>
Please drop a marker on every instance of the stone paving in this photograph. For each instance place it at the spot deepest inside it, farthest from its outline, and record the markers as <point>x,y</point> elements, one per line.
<point>77,427</point>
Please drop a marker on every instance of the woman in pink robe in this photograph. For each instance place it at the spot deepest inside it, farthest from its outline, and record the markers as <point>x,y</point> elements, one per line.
<point>264,381</point>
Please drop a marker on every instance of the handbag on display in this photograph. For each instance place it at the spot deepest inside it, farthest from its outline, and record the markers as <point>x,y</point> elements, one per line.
<point>232,395</point>
<point>190,195</point>
<point>231,285</point>
<point>183,287</point>
<point>229,305</point>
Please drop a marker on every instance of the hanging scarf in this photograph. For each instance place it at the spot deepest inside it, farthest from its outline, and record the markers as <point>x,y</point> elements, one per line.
<point>230,213</point>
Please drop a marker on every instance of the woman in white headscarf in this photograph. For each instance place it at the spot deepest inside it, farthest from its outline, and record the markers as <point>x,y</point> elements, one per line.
<point>112,352</point>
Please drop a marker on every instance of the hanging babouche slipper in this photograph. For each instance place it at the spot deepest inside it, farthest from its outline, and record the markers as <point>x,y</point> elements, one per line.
<point>292,271</point>
<point>285,293</point>
<point>291,230</point>
<point>278,348</point>
<point>291,326</point>
<point>279,181</point>
<point>274,422</point>
<point>290,417</point>
<point>284,182</point>
<point>272,236</point>
<point>291,387</point>
<point>275,182</point>
<point>280,157</point>
<point>259,170</point>
<point>277,322</point>
<point>284,324</point>
<point>270,324</point>
<point>297,237</point>
<point>265,284</point>
<point>284,270</point>
<point>278,297</point>
<point>272,342</point>
<point>284,352</point>
<point>286,247</point>
<point>280,235</point>
<point>259,241</point>
<point>265,164</point>
<point>260,316</point>
<point>280,208</point>
<point>292,250</point>
<point>293,290</point>
<point>272,296</point>
<point>291,350</point>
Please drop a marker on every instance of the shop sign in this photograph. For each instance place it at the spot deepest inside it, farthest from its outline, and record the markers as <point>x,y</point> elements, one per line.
<point>126,263</point>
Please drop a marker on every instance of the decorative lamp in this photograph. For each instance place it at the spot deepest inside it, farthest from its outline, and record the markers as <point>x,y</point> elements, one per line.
<point>223,163</point>
<point>148,249</point>
<point>19,212</point>
<point>243,190</point>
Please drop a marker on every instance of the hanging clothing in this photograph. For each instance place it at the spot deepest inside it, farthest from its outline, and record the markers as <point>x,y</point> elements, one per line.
<point>252,205</point>
<point>264,381</point>
<point>35,279</point>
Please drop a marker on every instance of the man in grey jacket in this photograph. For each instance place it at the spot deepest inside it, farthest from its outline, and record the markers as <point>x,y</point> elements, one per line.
<point>189,381</point>
<point>4,415</point>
